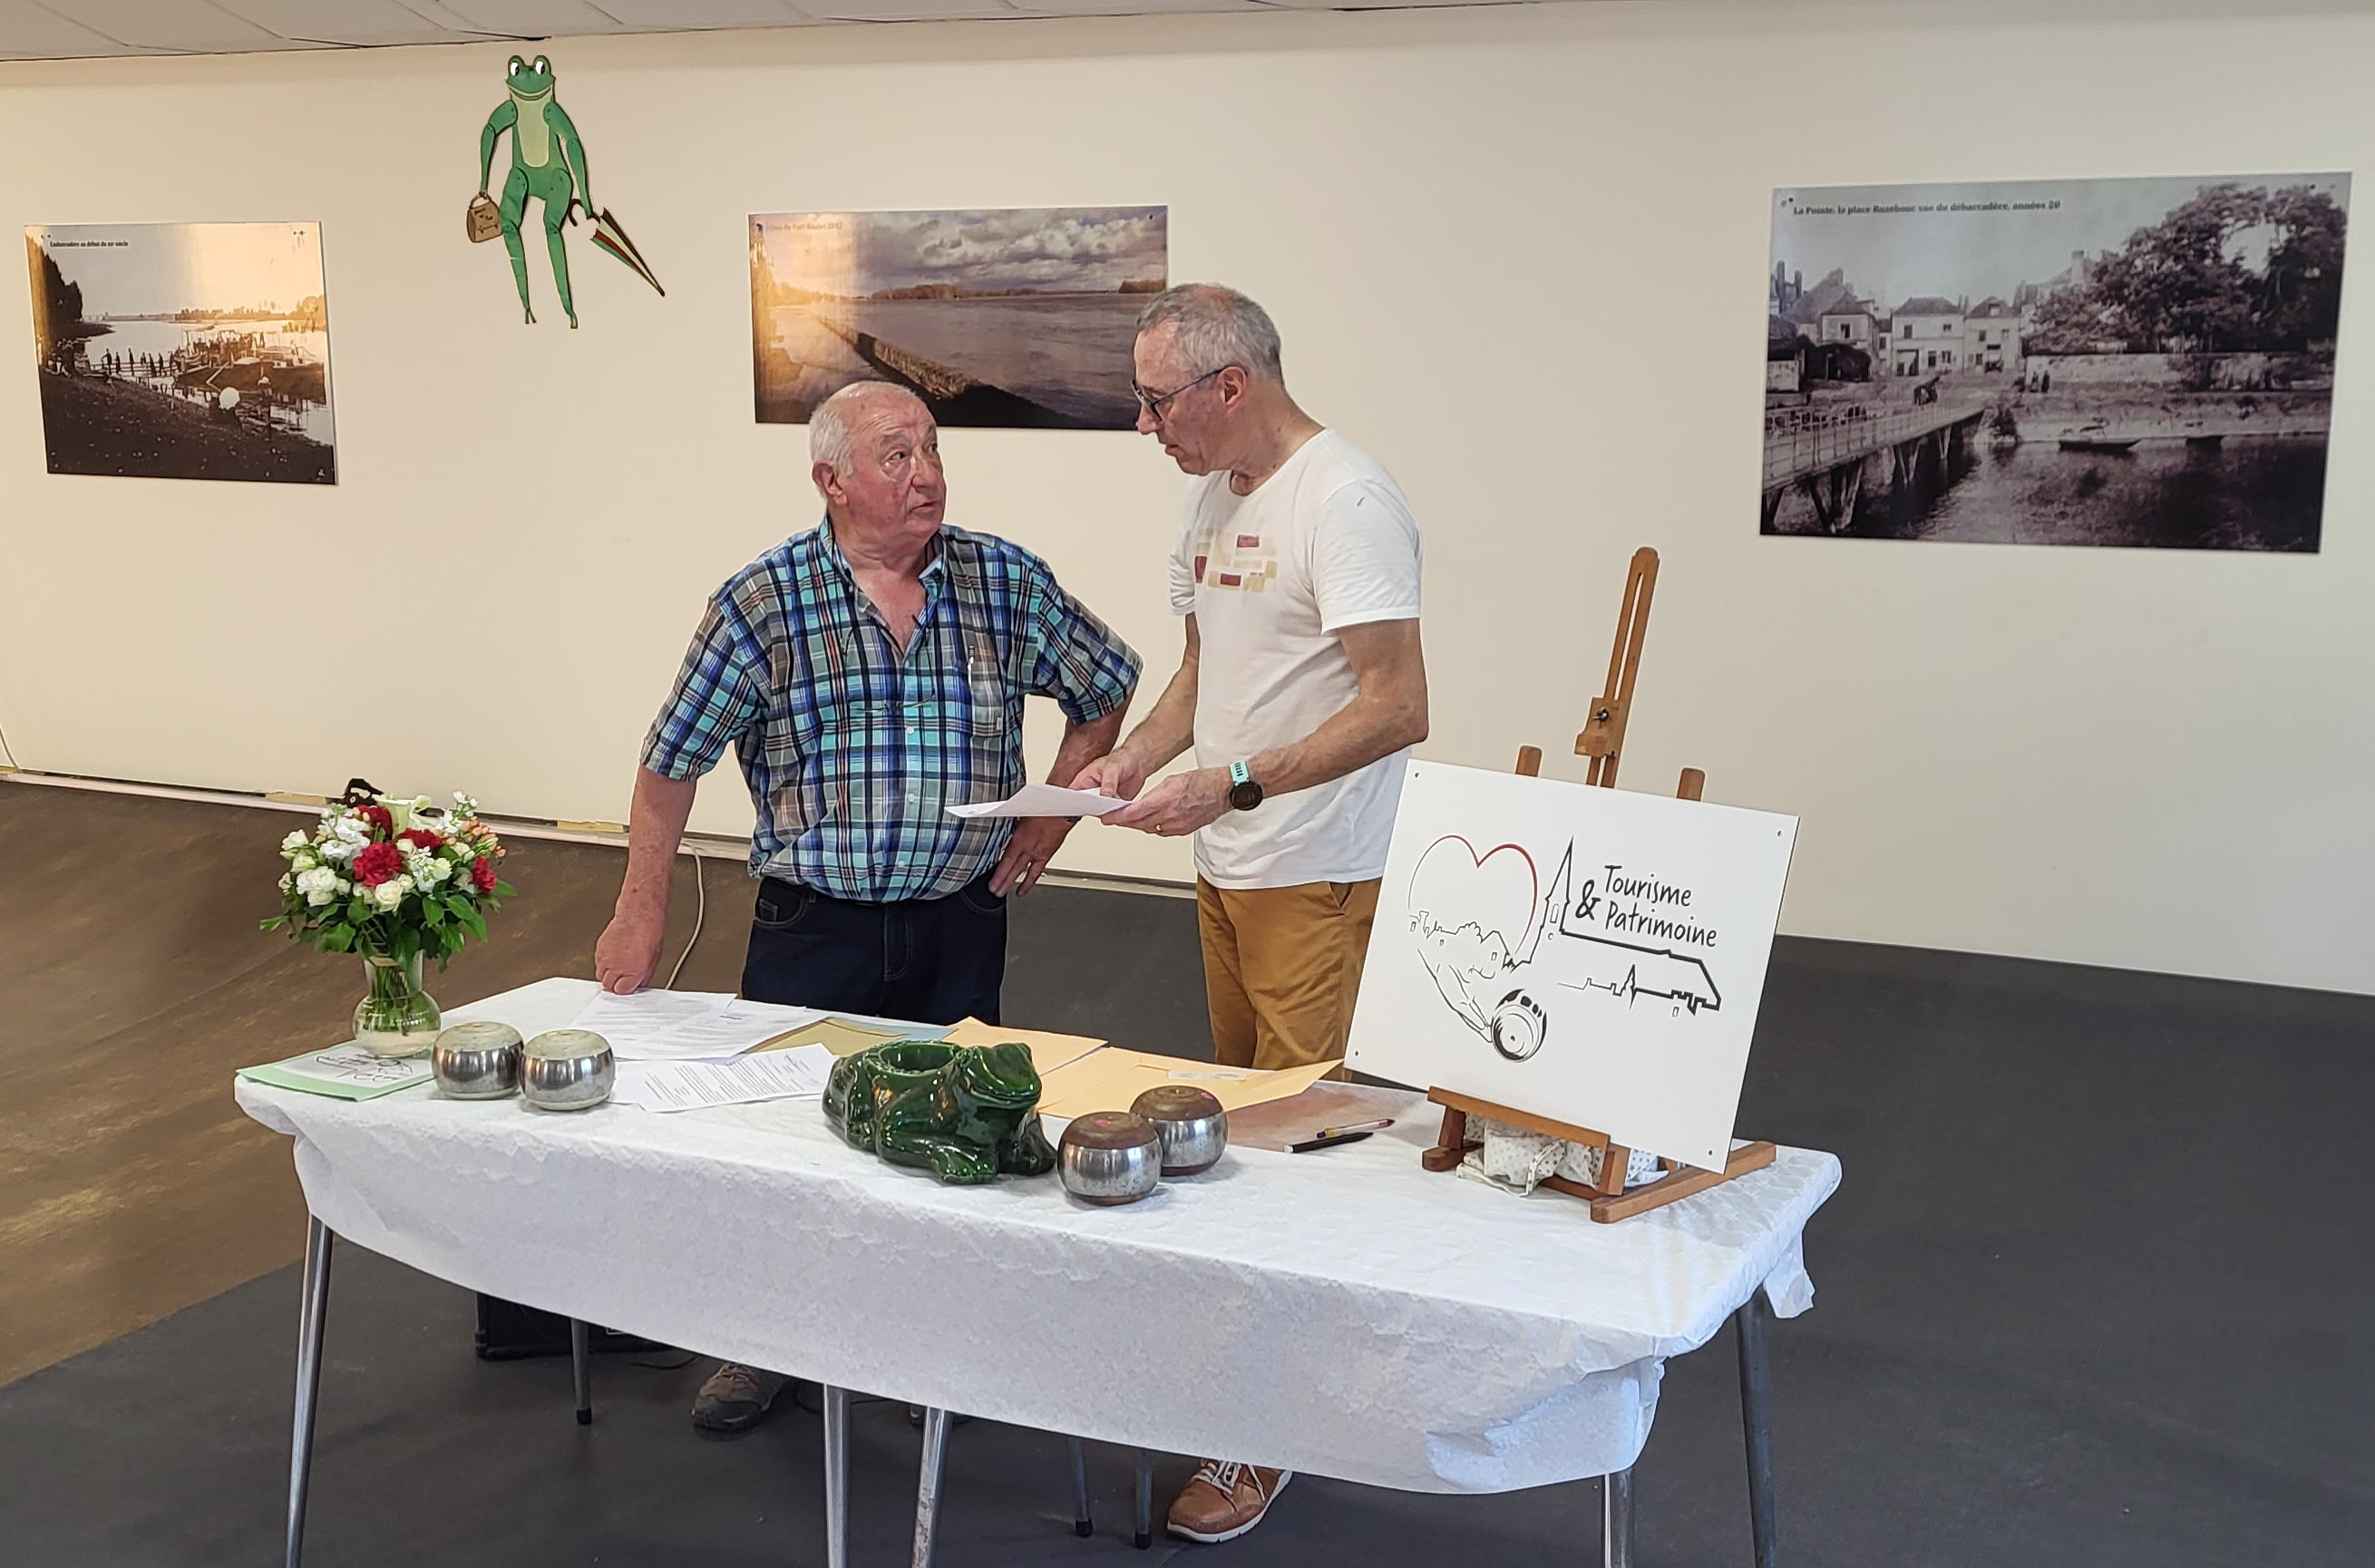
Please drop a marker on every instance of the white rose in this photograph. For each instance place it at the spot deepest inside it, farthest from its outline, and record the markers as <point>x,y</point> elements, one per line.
<point>295,842</point>
<point>317,898</point>
<point>390,894</point>
<point>316,880</point>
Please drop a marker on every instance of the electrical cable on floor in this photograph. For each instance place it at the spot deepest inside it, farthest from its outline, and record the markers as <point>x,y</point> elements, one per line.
<point>700,914</point>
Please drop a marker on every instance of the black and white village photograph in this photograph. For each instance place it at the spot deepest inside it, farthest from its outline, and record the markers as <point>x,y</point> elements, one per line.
<point>2131,362</point>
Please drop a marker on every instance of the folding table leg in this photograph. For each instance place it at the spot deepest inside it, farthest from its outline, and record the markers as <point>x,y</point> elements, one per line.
<point>1083,1524</point>
<point>581,1366</point>
<point>1755,1420</point>
<point>314,1308</point>
<point>927,1482</point>
<point>1145,1537</point>
<point>1616,1519</point>
<point>836,1477</point>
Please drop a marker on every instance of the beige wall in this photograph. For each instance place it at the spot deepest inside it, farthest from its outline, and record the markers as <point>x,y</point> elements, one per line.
<point>1518,252</point>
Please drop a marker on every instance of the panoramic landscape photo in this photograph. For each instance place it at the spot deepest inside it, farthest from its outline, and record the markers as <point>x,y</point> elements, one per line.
<point>1016,317</point>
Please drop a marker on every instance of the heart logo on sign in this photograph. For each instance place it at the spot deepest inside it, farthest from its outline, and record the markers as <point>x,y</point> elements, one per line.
<point>1469,913</point>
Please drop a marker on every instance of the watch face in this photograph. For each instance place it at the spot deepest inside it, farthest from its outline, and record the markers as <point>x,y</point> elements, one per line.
<point>1247,795</point>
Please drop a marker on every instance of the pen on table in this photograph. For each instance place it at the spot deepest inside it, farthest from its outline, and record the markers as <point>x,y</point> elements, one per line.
<point>1328,1138</point>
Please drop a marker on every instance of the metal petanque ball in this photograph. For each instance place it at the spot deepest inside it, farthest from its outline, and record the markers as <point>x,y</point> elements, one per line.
<point>1110,1157</point>
<point>476,1061</point>
<point>567,1070</point>
<point>1193,1126</point>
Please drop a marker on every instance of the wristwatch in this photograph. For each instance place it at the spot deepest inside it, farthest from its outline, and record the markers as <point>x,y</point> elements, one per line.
<point>1244,793</point>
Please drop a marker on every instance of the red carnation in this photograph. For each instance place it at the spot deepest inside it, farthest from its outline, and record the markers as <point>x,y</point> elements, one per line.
<point>379,817</point>
<point>482,875</point>
<point>421,837</point>
<point>378,863</point>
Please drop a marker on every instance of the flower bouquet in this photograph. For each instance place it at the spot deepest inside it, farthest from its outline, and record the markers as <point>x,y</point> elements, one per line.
<point>394,880</point>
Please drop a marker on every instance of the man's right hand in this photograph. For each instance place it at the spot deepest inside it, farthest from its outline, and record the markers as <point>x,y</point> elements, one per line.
<point>629,953</point>
<point>1117,773</point>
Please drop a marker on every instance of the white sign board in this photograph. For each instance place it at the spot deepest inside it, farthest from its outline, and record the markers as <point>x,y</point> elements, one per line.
<point>1590,955</point>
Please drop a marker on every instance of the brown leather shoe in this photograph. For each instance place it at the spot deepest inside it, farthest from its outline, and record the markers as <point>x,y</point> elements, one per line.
<point>735,1399</point>
<point>1225,1500</point>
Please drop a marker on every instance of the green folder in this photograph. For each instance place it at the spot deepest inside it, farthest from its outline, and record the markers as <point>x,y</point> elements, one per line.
<point>342,1072</point>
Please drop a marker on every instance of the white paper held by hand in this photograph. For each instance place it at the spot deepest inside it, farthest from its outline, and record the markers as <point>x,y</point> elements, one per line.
<point>646,1026</point>
<point>1044,800</point>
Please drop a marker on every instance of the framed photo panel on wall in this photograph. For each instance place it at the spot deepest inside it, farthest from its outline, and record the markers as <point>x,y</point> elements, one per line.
<point>2143,361</point>
<point>1019,317</point>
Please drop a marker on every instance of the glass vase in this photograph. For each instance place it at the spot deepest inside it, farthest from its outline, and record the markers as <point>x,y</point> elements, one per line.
<point>396,1018</point>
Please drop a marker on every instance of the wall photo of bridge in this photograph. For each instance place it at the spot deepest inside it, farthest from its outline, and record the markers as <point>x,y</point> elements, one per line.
<point>2144,362</point>
<point>1018,317</point>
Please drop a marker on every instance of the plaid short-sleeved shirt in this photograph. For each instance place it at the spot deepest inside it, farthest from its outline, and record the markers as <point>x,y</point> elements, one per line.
<point>853,749</point>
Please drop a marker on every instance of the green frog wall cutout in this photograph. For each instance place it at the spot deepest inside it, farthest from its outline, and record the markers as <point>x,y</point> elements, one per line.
<point>549,163</point>
<point>967,1114</point>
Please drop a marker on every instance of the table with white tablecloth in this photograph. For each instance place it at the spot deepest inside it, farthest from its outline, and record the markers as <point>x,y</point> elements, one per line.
<point>1348,1314</point>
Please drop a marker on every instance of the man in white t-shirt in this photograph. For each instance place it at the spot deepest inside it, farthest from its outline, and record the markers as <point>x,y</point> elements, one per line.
<point>1303,690</point>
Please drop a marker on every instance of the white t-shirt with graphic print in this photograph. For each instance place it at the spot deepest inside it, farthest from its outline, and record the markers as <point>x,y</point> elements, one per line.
<point>1325,543</point>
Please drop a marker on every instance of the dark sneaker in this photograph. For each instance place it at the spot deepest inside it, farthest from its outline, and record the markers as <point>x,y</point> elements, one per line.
<point>735,1398</point>
<point>1225,1500</point>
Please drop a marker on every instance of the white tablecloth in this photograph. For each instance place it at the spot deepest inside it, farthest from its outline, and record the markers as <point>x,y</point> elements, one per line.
<point>1343,1312</point>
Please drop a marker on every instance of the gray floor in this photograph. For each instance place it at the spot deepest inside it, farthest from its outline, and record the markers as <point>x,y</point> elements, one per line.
<point>2095,1292</point>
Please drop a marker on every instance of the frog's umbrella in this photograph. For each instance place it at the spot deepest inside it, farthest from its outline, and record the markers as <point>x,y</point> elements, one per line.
<point>609,235</point>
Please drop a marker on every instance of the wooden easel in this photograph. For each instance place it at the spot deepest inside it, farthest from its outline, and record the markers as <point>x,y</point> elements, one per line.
<point>1603,741</point>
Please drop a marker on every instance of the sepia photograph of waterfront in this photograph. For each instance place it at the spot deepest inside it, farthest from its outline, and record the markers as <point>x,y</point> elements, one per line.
<point>184,351</point>
<point>2143,363</point>
<point>1018,317</point>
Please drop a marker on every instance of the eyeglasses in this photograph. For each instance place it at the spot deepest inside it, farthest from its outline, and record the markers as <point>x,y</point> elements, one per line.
<point>1152,402</point>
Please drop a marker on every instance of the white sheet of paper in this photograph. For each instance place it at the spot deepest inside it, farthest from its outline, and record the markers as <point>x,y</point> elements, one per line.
<point>740,1080</point>
<point>1044,800</point>
<point>651,1025</point>
<point>735,1028</point>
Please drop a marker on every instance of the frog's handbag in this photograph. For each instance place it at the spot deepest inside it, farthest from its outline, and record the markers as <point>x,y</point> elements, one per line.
<point>484,220</point>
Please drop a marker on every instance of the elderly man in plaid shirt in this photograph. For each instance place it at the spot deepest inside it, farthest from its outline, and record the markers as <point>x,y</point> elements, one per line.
<point>870,674</point>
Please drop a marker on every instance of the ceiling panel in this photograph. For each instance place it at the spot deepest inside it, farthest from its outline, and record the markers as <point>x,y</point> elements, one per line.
<point>904,10</point>
<point>35,32</point>
<point>339,21</point>
<point>176,25</point>
<point>666,15</point>
<point>1132,7</point>
<point>1383,5</point>
<point>532,18</point>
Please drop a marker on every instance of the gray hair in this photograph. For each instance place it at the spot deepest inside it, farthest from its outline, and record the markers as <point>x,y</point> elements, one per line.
<point>1216,326</point>
<point>829,421</point>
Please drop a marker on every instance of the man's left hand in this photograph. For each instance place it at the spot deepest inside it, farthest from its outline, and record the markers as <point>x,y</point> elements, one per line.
<point>1178,805</point>
<point>1035,843</point>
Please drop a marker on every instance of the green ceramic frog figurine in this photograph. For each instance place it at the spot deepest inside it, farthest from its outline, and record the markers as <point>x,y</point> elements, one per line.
<point>966,1113</point>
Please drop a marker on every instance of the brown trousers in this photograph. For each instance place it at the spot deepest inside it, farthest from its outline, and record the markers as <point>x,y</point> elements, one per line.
<point>1281,967</point>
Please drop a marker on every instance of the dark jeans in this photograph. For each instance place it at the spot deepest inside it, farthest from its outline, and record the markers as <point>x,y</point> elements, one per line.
<point>926,961</point>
